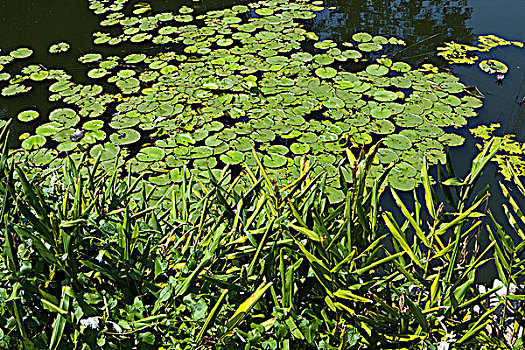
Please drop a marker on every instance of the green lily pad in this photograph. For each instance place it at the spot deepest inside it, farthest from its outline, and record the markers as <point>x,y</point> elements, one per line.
<point>385,95</point>
<point>124,137</point>
<point>299,148</point>
<point>381,112</point>
<point>33,142</point>
<point>274,160</point>
<point>451,140</point>
<point>21,53</point>
<point>90,57</point>
<point>387,156</point>
<point>333,103</point>
<point>401,183</point>
<point>232,157</point>
<point>97,73</point>
<point>93,125</point>
<point>326,72</point>
<point>398,142</point>
<point>324,59</point>
<point>201,152</point>
<point>369,47</point>
<point>49,129</point>
<point>264,11</point>
<point>150,154</point>
<point>27,116</point>
<point>15,89</point>
<point>59,47</point>
<point>361,37</point>
<point>493,66</point>
<point>376,70</point>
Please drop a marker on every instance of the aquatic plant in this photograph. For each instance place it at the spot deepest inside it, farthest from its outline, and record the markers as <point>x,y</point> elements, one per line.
<point>244,78</point>
<point>456,53</point>
<point>90,259</point>
<point>511,153</point>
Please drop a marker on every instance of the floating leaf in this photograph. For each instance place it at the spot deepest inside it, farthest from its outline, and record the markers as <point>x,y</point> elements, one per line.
<point>125,137</point>
<point>21,53</point>
<point>398,142</point>
<point>27,116</point>
<point>325,72</point>
<point>59,47</point>
<point>493,66</point>
<point>34,142</point>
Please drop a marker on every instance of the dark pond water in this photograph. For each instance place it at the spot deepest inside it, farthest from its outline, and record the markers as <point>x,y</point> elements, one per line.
<point>424,25</point>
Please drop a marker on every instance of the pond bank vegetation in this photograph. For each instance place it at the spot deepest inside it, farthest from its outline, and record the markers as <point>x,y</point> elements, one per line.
<point>91,263</point>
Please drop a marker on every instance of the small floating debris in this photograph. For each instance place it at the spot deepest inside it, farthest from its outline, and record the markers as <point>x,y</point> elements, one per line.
<point>77,135</point>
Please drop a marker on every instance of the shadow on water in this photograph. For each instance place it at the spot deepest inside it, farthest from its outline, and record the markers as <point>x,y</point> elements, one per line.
<point>422,24</point>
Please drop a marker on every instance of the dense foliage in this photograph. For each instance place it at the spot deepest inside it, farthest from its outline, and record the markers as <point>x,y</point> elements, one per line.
<point>89,264</point>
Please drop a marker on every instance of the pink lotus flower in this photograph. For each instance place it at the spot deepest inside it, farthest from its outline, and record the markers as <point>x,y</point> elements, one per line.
<point>500,76</point>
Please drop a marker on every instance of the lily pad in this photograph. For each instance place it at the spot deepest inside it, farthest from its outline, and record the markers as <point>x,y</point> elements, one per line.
<point>326,72</point>
<point>398,142</point>
<point>493,66</point>
<point>299,148</point>
<point>59,47</point>
<point>49,129</point>
<point>21,53</point>
<point>232,157</point>
<point>124,137</point>
<point>274,160</point>
<point>376,70</point>
<point>34,142</point>
<point>27,116</point>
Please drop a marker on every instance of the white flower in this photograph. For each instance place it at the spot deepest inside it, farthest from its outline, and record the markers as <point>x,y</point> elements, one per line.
<point>443,345</point>
<point>90,322</point>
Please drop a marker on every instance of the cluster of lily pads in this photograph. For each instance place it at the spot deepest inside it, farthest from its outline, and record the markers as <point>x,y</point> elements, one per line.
<point>239,78</point>
<point>510,154</point>
<point>456,53</point>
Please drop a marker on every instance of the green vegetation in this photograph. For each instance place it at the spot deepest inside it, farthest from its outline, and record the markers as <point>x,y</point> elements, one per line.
<point>241,78</point>
<point>225,192</point>
<point>92,262</point>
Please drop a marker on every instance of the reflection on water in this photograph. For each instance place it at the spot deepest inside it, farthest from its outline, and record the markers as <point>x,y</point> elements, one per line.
<point>428,23</point>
